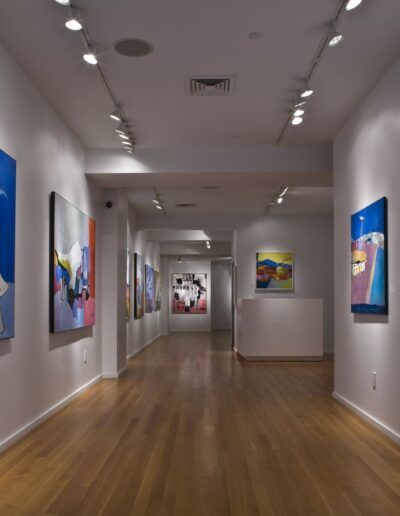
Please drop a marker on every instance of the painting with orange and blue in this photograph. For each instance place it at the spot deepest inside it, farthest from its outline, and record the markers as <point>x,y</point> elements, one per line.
<point>369,259</point>
<point>274,271</point>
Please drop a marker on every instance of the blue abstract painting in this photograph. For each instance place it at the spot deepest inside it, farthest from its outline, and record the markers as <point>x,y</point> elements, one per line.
<point>8,167</point>
<point>149,304</point>
<point>369,259</point>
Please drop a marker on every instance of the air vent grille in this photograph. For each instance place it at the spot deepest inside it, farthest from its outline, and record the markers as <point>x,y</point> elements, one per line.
<point>185,205</point>
<point>210,86</point>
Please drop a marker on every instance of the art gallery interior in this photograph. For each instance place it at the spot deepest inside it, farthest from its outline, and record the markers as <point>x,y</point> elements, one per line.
<point>199,290</point>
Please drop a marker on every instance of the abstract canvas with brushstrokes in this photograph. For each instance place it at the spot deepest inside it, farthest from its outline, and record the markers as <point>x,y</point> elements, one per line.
<point>7,245</point>
<point>274,271</point>
<point>149,305</point>
<point>72,269</point>
<point>368,259</point>
<point>139,286</point>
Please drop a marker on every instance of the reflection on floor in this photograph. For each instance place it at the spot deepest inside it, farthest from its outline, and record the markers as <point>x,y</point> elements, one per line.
<point>191,431</point>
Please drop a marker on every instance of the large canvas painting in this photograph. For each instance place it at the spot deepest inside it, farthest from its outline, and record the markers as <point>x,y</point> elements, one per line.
<point>157,291</point>
<point>368,259</point>
<point>139,286</point>
<point>128,285</point>
<point>149,305</point>
<point>274,271</point>
<point>72,269</point>
<point>7,244</point>
<point>189,293</point>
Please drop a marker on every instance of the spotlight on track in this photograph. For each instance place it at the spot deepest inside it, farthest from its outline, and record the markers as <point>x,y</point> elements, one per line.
<point>352,4</point>
<point>90,58</point>
<point>335,37</point>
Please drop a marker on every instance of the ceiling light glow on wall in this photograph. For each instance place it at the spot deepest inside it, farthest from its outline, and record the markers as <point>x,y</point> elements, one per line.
<point>90,58</point>
<point>297,120</point>
<point>352,4</point>
<point>73,24</point>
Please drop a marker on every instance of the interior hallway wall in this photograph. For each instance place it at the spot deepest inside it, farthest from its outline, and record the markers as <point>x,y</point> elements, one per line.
<point>366,162</point>
<point>37,369</point>
<point>221,314</point>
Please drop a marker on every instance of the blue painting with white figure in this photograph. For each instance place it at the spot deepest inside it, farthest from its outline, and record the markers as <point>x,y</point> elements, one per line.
<point>8,167</point>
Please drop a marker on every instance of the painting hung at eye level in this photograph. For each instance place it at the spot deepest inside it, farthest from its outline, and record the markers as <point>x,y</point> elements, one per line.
<point>128,285</point>
<point>157,291</point>
<point>7,244</point>
<point>368,259</point>
<point>72,269</point>
<point>189,293</point>
<point>139,286</point>
<point>149,304</point>
<point>274,271</point>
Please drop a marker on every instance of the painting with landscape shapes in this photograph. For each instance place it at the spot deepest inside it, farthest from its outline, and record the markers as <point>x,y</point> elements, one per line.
<point>274,271</point>
<point>149,304</point>
<point>72,275</point>
<point>189,293</point>
<point>7,244</point>
<point>157,291</point>
<point>139,286</point>
<point>368,259</point>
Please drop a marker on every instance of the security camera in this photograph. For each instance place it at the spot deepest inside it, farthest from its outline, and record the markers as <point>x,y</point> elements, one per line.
<point>109,204</point>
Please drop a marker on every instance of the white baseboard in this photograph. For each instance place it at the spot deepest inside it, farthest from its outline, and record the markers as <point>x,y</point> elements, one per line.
<point>137,351</point>
<point>24,430</point>
<point>377,423</point>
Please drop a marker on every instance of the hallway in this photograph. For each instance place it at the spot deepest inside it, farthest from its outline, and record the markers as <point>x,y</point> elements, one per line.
<point>191,431</point>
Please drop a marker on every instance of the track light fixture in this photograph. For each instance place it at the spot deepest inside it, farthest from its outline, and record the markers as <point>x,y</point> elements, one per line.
<point>335,37</point>
<point>74,23</point>
<point>300,103</point>
<point>63,2</point>
<point>121,128</point>
<point>208,244</point>
<point>123,136</point>
<point>297,120</point>
<point>90,58</point>
<point>306,91</point>
<point>116,115</point>
<point>278,198</point>
<point>156,201</point>
<point>352,4</point>
<point>159,207</point>
<point>298,112</point>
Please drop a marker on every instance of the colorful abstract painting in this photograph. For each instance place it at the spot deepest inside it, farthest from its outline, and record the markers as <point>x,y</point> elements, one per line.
<point>274,271</point>
<point>128,285</point>
<point>139,286</point>
<point>368,259</point>
<point>8,168</point>
<point>189,293</point>
<point>72,273</point>
<point>149,304</point>
<point>157,291</point>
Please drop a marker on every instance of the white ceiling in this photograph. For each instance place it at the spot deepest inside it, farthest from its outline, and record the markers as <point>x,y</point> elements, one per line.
<point>203,37</point>
<point>232,201</point>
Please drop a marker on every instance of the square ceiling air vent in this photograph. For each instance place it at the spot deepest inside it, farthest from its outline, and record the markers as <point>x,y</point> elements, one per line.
<point>210,86</point>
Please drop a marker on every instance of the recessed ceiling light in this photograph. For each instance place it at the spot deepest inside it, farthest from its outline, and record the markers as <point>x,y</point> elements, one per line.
<point>90,58</point>
<point>63,2</point>
<point>73,24</point>
<point>255,35</point>
<point>352,4</point>
<point>297,120</point>
<point>298,112</point>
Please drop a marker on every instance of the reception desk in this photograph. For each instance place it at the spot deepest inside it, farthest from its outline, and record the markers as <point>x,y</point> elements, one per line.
<point>280,329</point>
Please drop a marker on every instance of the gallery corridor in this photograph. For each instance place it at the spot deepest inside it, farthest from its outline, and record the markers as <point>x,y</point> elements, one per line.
<point>192,431</point>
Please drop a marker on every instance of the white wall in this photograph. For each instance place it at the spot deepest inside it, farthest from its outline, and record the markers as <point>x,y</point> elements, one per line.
<point>141,332</point>
<point>37,369</point>
<point>311,240</point>
<point>221,314</point>
<point>367,167</point>
<point>190,322</point>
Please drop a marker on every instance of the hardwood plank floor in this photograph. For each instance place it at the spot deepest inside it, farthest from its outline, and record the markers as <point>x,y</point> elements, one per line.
<point>191,431</point>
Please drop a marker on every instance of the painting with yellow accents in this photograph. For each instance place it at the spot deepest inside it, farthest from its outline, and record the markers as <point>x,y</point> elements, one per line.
<point>275,271</point>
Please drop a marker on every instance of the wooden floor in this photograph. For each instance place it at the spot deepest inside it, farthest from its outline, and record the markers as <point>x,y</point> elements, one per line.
<point>191,431</point>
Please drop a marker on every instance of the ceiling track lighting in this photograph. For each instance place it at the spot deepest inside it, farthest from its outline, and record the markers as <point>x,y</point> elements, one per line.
<point>116,115</point>
<point>74,23</point>
<point>90,58</point>
<point>63,2</point>
<point>278,198</point>
<point>332,39</point>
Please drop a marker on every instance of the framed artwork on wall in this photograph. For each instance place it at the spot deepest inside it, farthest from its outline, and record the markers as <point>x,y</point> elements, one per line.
<point>128,285</point>
<point>149,304</point>
<point>139,286</point>
<point>189,293</point>
<point>72,266</point>
<point>8,167</point>
<point>157,291</point>
<point>369,259</point>
<point>274,271</point>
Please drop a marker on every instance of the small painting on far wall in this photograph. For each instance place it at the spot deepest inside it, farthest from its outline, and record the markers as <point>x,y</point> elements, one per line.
<point>369,259</point>
<point>157,291</point>
<point>274,271</point>
<point>149,304</point>
<point>139,286</point>
<point>189,293</point>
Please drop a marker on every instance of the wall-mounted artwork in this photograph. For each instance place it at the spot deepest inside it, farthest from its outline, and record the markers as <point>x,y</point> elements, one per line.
<point>369,259</point>
<point>139,286</point>
<point>274,271</point>
<point>189,293</point>
<point>128,285</point>
<point>72,266</point>
<point>8,168</point>
<point>149,305</point>
<point>157,291</point>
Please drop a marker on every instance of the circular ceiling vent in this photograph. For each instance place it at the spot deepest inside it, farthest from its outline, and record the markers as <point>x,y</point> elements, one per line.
<point>133,47</point>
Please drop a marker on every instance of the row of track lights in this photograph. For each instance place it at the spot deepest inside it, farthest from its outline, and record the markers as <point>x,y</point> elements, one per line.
<point>278,198</point>
<point>159,203</point>
<point>333,39</point>
<point>74,23</point>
